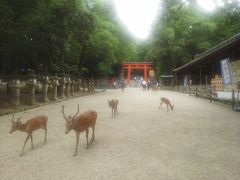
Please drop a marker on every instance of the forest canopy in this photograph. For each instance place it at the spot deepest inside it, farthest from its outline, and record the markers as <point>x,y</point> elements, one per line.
<point>86,37</point>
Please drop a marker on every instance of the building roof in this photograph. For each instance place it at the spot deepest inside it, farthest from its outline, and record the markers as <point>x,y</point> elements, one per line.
<point>215,50</point>
<point>137,62</point>
<point>167,76</point>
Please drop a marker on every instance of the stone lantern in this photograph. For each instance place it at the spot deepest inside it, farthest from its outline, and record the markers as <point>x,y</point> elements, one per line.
<point>55,84</point>
<point>32,84</point>
<point>15,87</point>
<point>68,84</point>
<point>45,85</point>
<point>80,84</point>
<point>84,84</point>
<point>62,83</point>
<point>73,82</point>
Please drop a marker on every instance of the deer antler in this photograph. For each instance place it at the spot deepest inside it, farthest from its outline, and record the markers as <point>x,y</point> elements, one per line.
<point>64,115</point>
<point>76,113</point>
<point>13,117</point>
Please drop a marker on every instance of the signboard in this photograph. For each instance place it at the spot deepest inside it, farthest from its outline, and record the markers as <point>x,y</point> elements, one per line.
<point>226,71</point>
<point>238,85</point>
<point>151,73</point>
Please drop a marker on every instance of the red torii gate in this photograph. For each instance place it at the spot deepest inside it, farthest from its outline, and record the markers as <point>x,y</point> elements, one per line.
<point>129,66</point>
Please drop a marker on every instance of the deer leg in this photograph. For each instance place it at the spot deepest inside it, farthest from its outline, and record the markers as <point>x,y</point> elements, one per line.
<point>93,135</point>
<point>45,139</point>
<point>77,139</point>
<point>87,137</point>
<point>24,144</point>
<point>112,112</point>
<point>161,106</point>
<point>31,141</point>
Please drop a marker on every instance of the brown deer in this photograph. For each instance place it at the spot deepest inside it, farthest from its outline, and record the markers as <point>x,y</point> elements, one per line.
<point>80,123</point>
<point>113,104</point>
<point>155,89</point>
<point>167,102</point>
<point>38,122</point>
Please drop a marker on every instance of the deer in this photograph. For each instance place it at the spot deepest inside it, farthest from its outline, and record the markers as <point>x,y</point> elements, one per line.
<point>80,123</point>
<point>113,104</point>
<point>31,125</point>
<point>154,89</point>
<point>167,102</point>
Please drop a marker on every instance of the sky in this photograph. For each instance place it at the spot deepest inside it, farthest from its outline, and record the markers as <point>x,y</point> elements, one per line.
<point>139,15</point>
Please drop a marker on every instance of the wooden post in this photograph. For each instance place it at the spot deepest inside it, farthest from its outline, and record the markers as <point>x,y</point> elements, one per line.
<point>200,76</point>
<point>206,80</point>
<point>233,99</point>
<point>210,94</point>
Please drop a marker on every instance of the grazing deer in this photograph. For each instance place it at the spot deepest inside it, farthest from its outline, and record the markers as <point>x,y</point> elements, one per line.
<point>80,123</point>
<point>113,104</point>
<point>165,101</point>
<point>30,126</point>
<point>154,89</point>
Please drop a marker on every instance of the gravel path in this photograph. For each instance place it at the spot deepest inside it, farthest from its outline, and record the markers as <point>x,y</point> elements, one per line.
<point>197,141</point>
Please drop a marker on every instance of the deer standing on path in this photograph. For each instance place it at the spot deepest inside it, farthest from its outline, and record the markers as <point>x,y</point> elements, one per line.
<point>167,102</point>
<point>38,122</point>
<point>113,104</point>
<point>80,123</point>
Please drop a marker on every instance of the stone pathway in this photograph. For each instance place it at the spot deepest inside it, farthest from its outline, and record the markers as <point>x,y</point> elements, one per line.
<point>197,141</point>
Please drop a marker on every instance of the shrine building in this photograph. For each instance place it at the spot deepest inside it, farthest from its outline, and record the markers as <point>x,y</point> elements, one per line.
<point>218,68</point>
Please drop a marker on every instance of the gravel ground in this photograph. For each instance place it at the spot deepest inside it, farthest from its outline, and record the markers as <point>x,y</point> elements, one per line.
<point>198,140</point>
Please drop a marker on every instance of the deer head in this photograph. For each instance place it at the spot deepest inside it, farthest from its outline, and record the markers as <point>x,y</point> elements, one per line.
<point>15,125</point>
<point>69,120</point>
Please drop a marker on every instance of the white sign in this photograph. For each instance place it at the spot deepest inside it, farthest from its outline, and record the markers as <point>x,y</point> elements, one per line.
<point>226,71</point>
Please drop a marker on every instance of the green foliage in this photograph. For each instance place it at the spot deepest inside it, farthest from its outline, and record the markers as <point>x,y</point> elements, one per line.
<point>85,37</point>
<point>80,37</point>
<point>183,31</point>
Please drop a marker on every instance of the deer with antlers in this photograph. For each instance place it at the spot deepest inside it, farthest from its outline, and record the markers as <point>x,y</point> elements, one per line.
<point>80,123</point>
<point>167,102</point>
<point>38,122</point>
<point>114,105</point>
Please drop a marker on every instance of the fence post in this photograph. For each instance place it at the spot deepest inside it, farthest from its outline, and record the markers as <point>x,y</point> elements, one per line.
<point>196,93</point>
<point>210,94</point>
<point>233,99</point>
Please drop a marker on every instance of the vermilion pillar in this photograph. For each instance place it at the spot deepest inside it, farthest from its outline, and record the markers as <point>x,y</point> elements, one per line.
<point>145,72</point>
<point>129,74</point>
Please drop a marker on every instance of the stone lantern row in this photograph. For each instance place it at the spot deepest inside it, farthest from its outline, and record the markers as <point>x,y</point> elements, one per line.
<point>64,87</point>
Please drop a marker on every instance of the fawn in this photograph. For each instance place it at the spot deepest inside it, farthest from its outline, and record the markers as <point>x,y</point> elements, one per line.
<point>80,123</point>
<point>30,126</point>
<point>155,89</point>
<point>113,104</point>
<point>167,102</point>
